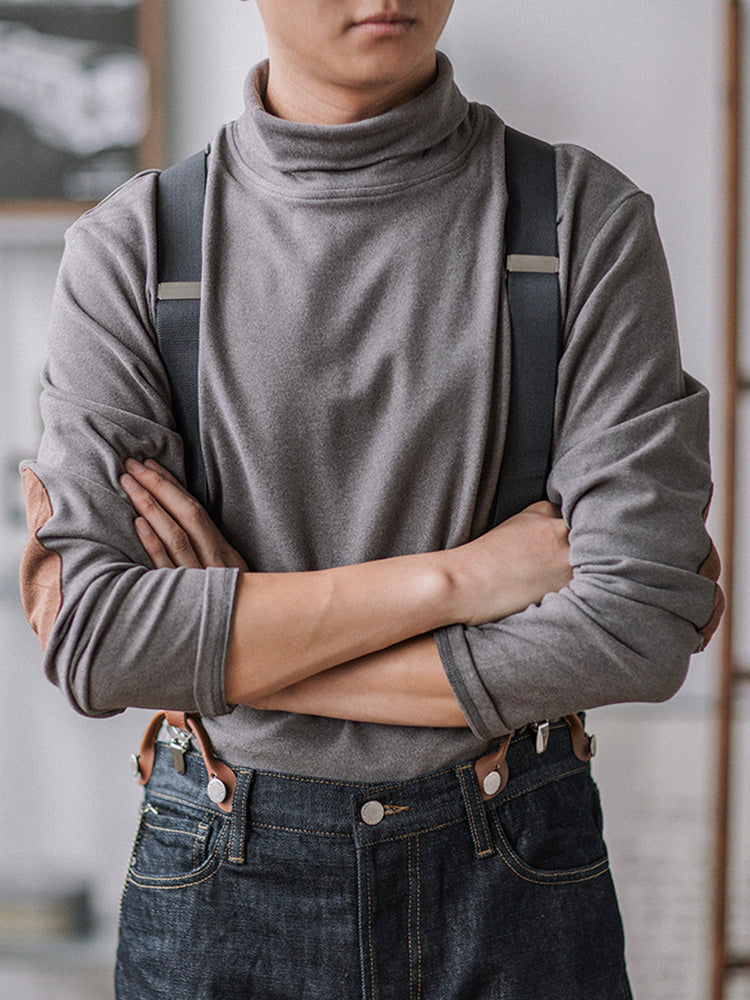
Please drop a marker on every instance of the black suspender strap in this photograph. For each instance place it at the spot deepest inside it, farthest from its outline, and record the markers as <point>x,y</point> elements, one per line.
<point>533,294</point>
<point>179,228</point>
<point>536,336</point>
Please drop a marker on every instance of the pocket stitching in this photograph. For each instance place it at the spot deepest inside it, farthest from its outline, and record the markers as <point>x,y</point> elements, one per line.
<point>540,784</point>
<point>188,803</point>
<point>206,870</point>
<point>511,859</point>
<point>178,833</point>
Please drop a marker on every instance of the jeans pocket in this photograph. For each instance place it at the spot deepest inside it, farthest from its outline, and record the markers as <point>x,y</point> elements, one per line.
<point>553,832</point>
<point>178,843</point>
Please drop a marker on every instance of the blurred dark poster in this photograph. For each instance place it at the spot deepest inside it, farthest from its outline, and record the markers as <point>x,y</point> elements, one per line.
<point>74,98</point>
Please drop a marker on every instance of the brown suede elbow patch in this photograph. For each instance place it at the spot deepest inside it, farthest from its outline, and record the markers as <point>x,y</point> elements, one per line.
<point>41,569</point>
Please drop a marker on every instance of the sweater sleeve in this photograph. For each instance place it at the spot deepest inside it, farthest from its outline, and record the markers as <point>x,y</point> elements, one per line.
<point>116,633</point>
<point>630,472</point>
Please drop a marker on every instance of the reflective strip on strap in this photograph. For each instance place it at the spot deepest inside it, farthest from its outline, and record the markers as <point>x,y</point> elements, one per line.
<point>532,263</point>
<point>170,290</point>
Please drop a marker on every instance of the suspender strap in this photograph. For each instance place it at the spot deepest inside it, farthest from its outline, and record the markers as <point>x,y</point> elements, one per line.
<point>179,227</point>
<point>534,302</point>
<point>533,294</point>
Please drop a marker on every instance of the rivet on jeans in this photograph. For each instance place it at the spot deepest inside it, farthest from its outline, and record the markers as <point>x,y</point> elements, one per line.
<point>372,812</point>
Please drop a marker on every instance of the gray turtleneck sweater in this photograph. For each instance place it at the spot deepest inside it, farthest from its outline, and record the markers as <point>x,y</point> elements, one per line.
<point>353,389</point>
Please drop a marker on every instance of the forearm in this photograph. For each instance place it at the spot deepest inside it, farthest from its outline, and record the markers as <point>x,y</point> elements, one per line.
<point>404,685</point>
<point>630,472</point>
<point>288,627</point>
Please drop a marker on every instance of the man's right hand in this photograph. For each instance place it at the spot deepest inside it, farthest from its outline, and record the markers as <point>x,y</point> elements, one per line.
<point>511,566</point>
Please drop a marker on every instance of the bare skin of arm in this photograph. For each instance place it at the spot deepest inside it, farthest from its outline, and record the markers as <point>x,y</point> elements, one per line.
<point>354,642</point>
<point>404,685</point>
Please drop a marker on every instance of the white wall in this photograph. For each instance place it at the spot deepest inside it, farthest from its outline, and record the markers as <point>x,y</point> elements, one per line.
<point>639,81</point>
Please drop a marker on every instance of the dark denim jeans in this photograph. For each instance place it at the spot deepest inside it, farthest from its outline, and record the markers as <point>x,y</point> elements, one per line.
<point>440,897</point>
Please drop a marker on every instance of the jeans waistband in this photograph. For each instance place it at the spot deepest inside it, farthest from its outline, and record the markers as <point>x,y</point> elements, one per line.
<point>369,812</point>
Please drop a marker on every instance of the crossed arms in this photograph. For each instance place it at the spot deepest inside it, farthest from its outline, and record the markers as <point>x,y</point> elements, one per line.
<point>354,642</point>
<point>630,476</point>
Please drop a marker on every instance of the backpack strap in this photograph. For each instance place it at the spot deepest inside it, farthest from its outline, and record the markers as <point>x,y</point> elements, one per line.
<point>179,232</point>
<point>531,267</point>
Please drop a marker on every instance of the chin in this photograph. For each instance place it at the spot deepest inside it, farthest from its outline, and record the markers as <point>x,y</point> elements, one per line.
<point>388,66</point>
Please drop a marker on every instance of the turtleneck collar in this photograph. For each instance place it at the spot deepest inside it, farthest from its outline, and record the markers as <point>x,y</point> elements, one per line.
<point>402,145</point>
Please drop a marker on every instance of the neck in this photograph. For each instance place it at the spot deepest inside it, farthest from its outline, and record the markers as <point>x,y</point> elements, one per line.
<point>320,103</point>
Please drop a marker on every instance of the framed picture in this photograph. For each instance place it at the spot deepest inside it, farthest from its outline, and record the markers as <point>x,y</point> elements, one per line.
<point>80,98</point>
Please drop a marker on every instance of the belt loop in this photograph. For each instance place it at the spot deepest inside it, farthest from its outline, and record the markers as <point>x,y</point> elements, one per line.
<point>240,817</point>
<point>475,811</point>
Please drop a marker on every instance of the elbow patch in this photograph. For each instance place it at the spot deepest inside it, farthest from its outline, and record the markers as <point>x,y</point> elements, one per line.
<point>41,569</point>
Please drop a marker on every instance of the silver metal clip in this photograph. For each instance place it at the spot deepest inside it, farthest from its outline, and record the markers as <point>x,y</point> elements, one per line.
<point>527,263</point>
<point>542,735</point>
<point>179,746</point>
<point>171,290</point>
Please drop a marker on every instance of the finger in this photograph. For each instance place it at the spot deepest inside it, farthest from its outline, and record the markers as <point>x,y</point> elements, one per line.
<point>207,541</point>
<point>152,545</point>
<point>158,481</point>
<point>171,495</point>
<point>152,464</point>
<point>172,535</point>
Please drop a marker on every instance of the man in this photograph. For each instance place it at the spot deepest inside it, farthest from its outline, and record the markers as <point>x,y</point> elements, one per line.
<point>338,837</point>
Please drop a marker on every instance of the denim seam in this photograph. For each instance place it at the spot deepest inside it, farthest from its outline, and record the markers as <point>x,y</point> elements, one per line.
<point>198,838</point>
<point>278,774</point>
<point>136,841</point>
<point>313,781</point>
<point>540,784</point>
<point>470,795</point>
<point>179,833</point>
<point>206,810</point>
<point>217,855</point>
<point>551,878</point>
<point>297,829</point>
<point>409,918</point>
<point>567,871</point>
<point>470,812</point>
<point>202,838</point>
<point>369,925</point>
<point>213,864</point>
<point>414,833</point>
<point>380,789</point>
<point>419,924</point>
<point>393,810</point>
<point>238,859</point>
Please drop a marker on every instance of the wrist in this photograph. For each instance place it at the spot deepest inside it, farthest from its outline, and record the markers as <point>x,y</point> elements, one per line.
<point>456,585</point>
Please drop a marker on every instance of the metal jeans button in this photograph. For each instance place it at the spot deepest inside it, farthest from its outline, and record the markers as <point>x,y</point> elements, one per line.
<point>372,812</point>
